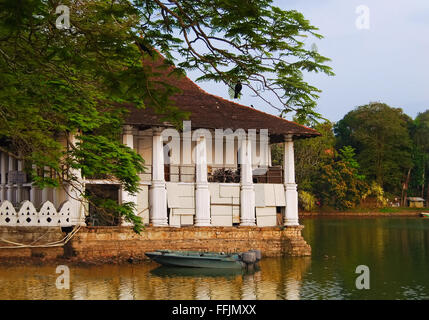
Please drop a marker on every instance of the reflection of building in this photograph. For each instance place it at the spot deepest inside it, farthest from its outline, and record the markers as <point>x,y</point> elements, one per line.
<point>415,202</point>
<point>193,188</point>
<point>293,281</point>
<point>277,279</point>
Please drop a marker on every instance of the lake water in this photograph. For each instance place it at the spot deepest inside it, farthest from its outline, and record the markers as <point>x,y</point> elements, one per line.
<point>396,251</point>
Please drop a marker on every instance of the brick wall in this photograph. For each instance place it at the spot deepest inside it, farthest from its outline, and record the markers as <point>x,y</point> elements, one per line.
<point>32,236</point>
<point>123,243</point>
<point>118,244</point>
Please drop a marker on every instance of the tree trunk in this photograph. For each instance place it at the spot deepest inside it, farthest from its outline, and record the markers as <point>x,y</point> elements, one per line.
<point>405,189</point>
<point>427,197</point>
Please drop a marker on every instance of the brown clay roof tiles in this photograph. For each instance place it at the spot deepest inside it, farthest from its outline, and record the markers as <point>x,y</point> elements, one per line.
<point>212,112</point>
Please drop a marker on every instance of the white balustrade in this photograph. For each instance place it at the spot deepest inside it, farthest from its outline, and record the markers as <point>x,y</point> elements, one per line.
<point>47,216</point>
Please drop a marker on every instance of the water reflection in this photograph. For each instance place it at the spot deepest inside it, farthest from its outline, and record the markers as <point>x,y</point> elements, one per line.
<point>395,250</point>
<point>275,279</point>
<point>176,272</point>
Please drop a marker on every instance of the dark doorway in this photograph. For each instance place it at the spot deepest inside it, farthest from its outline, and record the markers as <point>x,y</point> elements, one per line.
<point>99,215</point>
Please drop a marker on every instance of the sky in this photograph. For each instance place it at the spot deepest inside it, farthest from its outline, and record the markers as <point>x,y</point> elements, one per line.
<point>389,62</point>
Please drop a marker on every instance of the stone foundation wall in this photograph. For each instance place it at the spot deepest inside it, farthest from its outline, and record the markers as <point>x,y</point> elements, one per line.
<point>118,244</point>
<point>30,236</point>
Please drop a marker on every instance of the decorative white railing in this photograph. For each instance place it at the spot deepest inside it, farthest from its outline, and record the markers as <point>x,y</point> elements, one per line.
<point>47,216</point>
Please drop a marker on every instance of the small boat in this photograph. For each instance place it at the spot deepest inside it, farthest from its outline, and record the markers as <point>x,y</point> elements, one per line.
<point>197,259</point>
<point>424,214</point>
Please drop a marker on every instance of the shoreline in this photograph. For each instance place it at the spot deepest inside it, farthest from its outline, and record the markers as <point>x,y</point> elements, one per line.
<point>361,214</point>
<point>112,245</point>
<point>101,245</point>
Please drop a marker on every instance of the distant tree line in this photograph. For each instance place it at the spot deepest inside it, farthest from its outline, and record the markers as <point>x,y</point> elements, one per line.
<point>376,155</point>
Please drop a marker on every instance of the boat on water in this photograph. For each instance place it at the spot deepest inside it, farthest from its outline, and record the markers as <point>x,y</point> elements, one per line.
<point>197,259</point>
<point>424,214</point>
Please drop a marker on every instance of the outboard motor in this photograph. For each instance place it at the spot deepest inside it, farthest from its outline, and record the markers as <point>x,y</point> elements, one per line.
<point>258,254</point>
<point>249,257</point>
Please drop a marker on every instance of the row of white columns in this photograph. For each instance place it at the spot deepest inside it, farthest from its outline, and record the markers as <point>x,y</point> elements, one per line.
<point>125,196</point>
<point>9,191</point>
<point>202,192</point>
<point>14,193</point>
<point>291,213</point>
<point>3,161</point>
<point>158,193</point>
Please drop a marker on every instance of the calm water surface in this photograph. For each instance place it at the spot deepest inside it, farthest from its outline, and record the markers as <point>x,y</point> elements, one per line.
<point>396,250</point>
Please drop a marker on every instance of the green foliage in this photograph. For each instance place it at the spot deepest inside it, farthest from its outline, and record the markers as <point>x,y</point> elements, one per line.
<point>332,177</point>
<point>389,210</point>
<point>419,131</point>
<point>57,82</point>
<point>379,134</point>
<point>368,160</point>
<point>277,152</point>
<point>312,154</point>
<point>306,200</point>
<point>339,186</point>
<point>78,80</point>
<point>347,154</point>
<point>253,42</point>
<point>376,191</point>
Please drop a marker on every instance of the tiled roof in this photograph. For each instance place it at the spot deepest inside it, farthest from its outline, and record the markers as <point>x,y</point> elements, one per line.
<point>213,112</point>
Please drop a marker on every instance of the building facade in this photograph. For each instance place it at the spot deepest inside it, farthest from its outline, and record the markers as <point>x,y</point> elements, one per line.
<point>215,171</point>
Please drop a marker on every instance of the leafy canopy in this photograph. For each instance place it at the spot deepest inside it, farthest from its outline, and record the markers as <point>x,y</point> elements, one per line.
<point>379,134</point>
<point>56,83</point>
<point>254,42</point>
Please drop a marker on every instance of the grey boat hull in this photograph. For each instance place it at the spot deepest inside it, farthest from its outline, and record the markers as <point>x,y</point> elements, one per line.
<point>196,260</point>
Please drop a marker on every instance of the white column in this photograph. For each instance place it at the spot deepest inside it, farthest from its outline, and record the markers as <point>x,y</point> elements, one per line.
<point>291,212</point>
<point>75,191</point>
<point>33,195</point>
<point>292,288</point>
<point>19,188</point>
<point>10,185</point>
<point>158,193</point>
<point>3,161</point>
<point>33,191</point>
<point>45,190</point>
<point>128,140</point>
<point>55,197</point>
<point>202,193</point>
<point>247,193</point>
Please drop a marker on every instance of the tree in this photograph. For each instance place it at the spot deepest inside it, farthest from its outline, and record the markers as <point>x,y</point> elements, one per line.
<point>347,154</point>
<point>419,131</point>
<point>251,42</point>
<point>57,82</point>
<point>339,184</point>
<point>312,154</point>
<point>380,136</point>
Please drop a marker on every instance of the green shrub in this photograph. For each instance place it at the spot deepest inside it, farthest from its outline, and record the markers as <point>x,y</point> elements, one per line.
<point>307,201</point>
